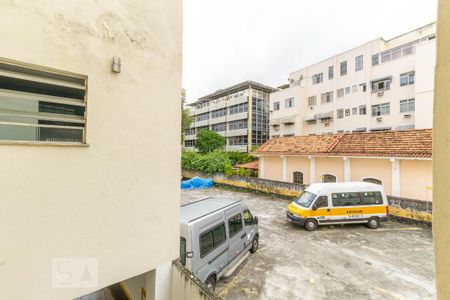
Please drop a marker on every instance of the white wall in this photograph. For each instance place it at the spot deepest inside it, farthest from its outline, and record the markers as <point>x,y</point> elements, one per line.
<point>116,201</point>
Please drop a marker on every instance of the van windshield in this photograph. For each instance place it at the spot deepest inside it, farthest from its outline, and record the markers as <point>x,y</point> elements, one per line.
<point>305,199</point>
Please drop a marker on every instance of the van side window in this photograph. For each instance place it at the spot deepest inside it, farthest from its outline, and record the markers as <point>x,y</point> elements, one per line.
<point>322,201</point>
<point>235,224</point>
<point>183,251</point>
<point>248,217</point>
<point>212,239</point>
<point>372,198</point>
<point>346,199</point>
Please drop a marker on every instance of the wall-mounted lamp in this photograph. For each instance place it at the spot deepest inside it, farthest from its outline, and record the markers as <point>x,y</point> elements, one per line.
<point>116,64</point>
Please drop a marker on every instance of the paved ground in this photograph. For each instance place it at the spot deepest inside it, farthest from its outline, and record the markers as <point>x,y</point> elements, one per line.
<point>395,261</point>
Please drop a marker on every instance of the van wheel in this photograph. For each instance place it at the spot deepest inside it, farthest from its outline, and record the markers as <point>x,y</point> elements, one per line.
<point>211,283</point>
<point>373,223</point>
<point>255,245</point>
<point>311,225</point>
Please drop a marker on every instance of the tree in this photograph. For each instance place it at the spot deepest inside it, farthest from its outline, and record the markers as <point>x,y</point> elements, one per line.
<point>186,118</point>
<point>208,141</point>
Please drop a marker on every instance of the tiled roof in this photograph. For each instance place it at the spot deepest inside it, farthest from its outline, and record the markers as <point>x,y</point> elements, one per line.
<point>250,165</point>
<point>410,143</point>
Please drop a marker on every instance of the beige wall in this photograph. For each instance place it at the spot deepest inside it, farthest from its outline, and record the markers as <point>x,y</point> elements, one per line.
<point>333,166</point>
<point>298,164</point>
<point>118,199</point>
<point>441,148</point>
<point>416,179</point>
<point>273,168</point>
<point>373,168</point>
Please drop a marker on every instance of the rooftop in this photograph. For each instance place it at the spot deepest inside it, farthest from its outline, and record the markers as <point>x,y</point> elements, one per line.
<point>408,143</point>
<point>233,89</point>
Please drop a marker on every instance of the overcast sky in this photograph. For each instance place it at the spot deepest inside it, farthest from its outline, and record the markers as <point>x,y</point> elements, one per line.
<point>229,41</point>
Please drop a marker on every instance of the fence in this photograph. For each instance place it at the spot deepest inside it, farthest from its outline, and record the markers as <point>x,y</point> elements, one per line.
<point>186,286</point>
<point>402,209</point>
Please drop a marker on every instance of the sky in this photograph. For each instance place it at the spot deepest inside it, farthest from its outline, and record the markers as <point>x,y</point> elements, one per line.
<point>229,41</point>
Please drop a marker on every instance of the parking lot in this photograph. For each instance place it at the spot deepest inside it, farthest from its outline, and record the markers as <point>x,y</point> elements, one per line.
<point>395,261</point>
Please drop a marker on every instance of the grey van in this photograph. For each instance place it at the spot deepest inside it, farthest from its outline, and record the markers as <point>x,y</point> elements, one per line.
<point>216,236</point>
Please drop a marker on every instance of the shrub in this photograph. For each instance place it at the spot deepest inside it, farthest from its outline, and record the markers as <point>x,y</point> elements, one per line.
<point>208,141</point>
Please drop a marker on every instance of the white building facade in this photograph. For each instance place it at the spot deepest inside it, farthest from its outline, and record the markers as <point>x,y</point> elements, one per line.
<point>379,86</point>
<point>239,113</point>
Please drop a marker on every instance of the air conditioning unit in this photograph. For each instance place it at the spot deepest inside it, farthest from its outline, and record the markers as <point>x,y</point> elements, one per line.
<point>311,107</point>
<point>407,116</point>
<point>379,119</point>
<point>327,124</point>
<point>379,94</point>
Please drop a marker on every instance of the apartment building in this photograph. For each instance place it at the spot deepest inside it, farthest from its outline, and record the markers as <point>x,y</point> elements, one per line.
<point>379,86</point>
<point>90,184</point>
<point>240,113</point>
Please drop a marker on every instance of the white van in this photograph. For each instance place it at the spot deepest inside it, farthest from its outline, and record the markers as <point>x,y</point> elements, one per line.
<point>339,203</point>
<point>216,235</point>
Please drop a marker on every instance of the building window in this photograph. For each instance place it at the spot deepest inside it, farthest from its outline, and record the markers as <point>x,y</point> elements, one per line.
<point>317,78</point>
<point>37,105</point>
<point>189,131</point>
<point>347,112</point>
<point>364,87</point>
<point>289,134</point>
<point>298,177</point>
<point>330,72</point>
<point>339,113</point>
<point>381,84</point>
<point>328,178</point>
<point>373,180</point>
<point>218,113</point>
<point>407,105</point>
<point>239,124</point>
<point>212,239</point>
<point>312,101</point>
<point>289,102</point>
<point>237,140</point>
<point>347,90</point>
<point>202,117</point>
<point>202,128</point>
<point>327,97</point>
<point>354,88</point>
<point>359,63</point>
<point>343,68</point>
<point>219,127</point>
<point>381,109</point>
<point>340,93</point>
<point>375,59</point>
<point>362,110</point>
<point>407,78</point>
<point>354,111</point>
<point>238,108</point>
<point>276,106</point>
<point>189,143</point>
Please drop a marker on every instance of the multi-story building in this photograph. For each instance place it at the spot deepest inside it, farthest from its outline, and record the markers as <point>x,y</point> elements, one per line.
<point>240,113</point>
<point>381,85</point>
<point>88,199</point>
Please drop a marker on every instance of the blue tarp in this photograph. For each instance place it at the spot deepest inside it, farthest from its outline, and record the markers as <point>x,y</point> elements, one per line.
<point>197,183</point>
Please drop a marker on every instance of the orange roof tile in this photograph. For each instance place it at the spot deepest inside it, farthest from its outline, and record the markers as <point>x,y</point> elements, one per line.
<point>250,165</point>
<point>410,143</point>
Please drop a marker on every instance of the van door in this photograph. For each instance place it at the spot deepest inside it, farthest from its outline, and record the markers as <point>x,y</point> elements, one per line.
<point>236,234</point>
<point>321,209</point>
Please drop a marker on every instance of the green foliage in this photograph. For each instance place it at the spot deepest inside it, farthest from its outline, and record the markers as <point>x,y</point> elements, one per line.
<point>186,118</point>
<point>208,141</point>
<point>238,158</point>
<point>243,172</point>
<point>208,163</point>
<point>228,170</point>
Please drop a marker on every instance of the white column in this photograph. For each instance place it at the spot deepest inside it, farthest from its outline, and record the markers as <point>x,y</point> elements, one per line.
<point>261,167</point>
<point>395,177</point>
<point>163,281</point>
<point>347,169</point>
<point>312,170</point>
<point>284,158</point>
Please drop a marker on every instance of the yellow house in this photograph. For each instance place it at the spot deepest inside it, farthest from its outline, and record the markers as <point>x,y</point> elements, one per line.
<point>399,160</point>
